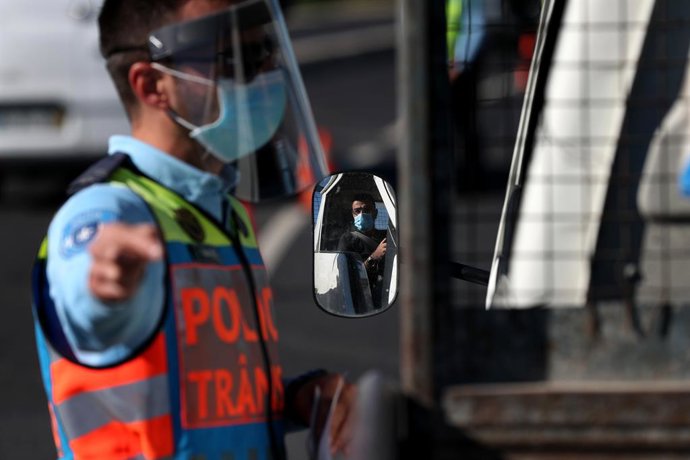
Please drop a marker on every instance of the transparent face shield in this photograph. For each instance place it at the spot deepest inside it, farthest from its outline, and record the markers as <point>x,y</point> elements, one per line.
<point>240,94</point>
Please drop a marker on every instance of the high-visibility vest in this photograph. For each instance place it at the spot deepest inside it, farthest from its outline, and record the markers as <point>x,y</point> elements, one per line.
<point>199,387</point>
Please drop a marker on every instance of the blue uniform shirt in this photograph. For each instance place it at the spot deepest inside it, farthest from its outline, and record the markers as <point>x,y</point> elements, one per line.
<point>103,334</point>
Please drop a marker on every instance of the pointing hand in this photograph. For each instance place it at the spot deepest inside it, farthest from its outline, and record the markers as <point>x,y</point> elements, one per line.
<point>120,255</point>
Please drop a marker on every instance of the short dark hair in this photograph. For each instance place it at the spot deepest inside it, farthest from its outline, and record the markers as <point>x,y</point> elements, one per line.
<point>364,198</point>
<point>124,27</point>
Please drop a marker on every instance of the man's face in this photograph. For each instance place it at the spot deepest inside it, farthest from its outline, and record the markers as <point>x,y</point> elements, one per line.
<point>254,46</point>
<point>359,207</point>
<point>196,101</point>
<point>202,97</point>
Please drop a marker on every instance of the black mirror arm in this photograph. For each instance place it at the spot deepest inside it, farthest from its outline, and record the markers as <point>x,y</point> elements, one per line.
<point>471,274</point>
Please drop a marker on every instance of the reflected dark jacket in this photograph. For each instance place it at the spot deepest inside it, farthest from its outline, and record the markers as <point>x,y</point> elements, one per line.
<point>351,243</point>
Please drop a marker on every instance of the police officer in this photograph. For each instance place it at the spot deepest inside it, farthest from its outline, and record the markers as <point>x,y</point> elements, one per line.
<point>154,317</point>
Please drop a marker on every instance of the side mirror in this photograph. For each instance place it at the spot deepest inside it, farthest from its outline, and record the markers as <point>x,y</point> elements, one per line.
<point>355,244</point>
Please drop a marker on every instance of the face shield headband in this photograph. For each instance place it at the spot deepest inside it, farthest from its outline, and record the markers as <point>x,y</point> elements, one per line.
<point>244,100</point>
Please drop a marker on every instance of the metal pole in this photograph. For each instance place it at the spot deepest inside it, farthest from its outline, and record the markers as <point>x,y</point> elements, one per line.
<point>416,363</point>
<point>424,184</point>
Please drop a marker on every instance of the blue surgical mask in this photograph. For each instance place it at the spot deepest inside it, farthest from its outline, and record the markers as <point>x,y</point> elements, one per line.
<point>250,114</point>
<point>364,222</point>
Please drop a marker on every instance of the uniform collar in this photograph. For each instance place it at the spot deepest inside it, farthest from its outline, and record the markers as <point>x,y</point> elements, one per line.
<point>190,182</point>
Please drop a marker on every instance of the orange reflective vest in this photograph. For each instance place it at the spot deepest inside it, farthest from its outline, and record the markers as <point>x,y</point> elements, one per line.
<point>201,387</point>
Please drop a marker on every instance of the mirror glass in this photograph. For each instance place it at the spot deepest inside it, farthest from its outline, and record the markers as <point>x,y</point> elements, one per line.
<point>355,244</point>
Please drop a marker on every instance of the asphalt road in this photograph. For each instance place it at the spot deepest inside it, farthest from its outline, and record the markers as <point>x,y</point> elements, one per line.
<point>352,97</point>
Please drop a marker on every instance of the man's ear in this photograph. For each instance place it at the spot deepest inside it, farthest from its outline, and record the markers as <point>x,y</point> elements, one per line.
<point>149,85</point>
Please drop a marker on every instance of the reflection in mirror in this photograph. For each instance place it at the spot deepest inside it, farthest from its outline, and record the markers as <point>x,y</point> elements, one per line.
<point>355,244</point>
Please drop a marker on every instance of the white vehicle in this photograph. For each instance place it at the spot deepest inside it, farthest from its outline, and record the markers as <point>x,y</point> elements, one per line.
<point>57,101</point>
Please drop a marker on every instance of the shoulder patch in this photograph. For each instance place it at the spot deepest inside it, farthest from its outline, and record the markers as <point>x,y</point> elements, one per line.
<point>79,231</point>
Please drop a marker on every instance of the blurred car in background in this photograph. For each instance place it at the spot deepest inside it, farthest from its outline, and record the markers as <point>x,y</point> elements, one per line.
<point>57,102</point>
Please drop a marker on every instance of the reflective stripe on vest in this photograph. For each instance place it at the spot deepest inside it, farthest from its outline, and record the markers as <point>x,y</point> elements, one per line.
<point>200,387</point>
<point>112,413</point>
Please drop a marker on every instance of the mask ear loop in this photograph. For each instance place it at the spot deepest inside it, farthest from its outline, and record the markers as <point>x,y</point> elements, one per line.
<point>207,158</point>
<point>183,76</point>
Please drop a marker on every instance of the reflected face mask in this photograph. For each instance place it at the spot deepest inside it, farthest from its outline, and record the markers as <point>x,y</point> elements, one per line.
<point>364,222</point>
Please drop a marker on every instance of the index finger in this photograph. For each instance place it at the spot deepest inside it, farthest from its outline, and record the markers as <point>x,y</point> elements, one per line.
<point>140,241</point>
<point>145,241</point>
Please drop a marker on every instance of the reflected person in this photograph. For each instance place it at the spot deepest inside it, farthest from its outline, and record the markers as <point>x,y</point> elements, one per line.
<point>369,243</point>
